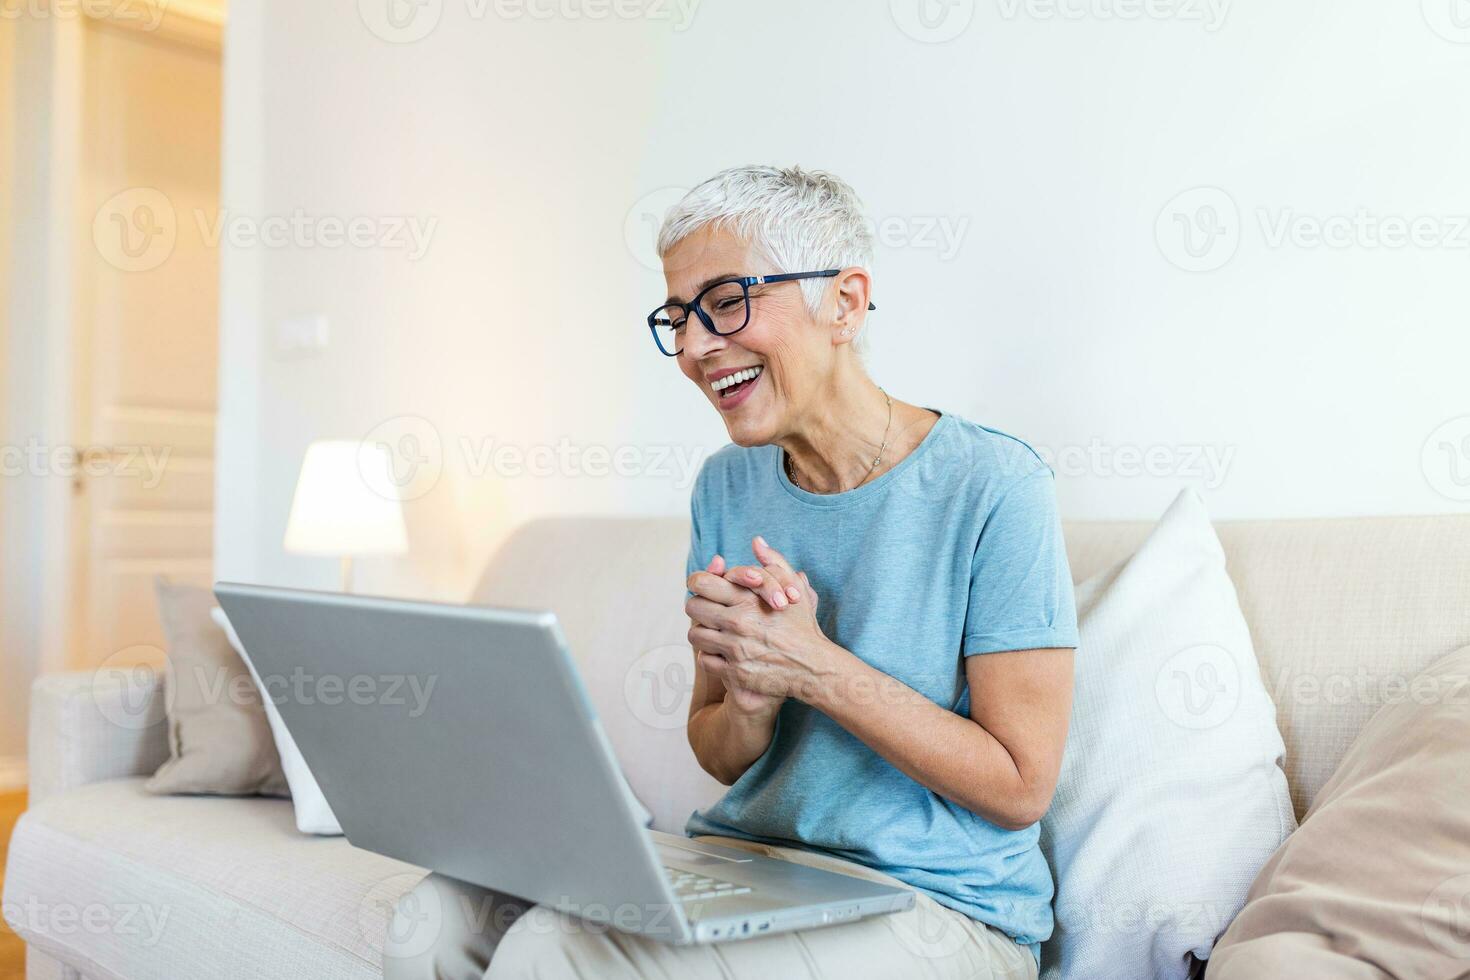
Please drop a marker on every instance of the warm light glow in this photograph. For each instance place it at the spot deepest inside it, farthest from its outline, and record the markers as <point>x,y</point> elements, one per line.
<point>339,508</point>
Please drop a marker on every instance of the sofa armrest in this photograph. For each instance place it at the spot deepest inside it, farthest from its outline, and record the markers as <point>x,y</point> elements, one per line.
<point>89,727</point>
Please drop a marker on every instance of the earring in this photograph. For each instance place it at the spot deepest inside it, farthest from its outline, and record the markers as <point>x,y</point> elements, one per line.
<point>846,331</point>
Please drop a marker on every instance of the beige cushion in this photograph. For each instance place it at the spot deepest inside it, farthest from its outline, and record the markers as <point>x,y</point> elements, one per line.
<point>219,740</point>
<point>129,885</point>
<point>1377,880</point>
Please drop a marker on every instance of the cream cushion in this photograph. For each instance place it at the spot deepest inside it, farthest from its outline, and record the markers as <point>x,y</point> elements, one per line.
<point>1171,795</point>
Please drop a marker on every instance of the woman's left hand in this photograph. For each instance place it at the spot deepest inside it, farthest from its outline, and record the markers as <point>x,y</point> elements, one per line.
<point>745,639</point>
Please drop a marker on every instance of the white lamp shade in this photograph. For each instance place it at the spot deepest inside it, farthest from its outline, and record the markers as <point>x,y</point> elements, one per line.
<point>345,503</point>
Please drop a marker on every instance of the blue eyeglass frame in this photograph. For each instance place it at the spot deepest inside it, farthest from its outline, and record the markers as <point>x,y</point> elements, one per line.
<point>745,283</point>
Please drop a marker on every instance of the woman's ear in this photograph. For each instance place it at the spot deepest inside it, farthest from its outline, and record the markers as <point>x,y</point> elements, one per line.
<point>854,288</point>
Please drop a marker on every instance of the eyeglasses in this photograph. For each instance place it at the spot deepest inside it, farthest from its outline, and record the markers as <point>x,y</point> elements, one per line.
<point>723,307</point>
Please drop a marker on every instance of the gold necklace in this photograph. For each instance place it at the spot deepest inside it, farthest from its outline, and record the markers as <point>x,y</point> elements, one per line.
<point>791,469</point>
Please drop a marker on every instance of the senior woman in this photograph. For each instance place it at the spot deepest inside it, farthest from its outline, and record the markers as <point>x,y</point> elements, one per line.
<point>881,614</point>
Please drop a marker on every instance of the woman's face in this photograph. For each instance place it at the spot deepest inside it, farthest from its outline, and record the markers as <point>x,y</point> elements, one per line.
<point>791,351</point>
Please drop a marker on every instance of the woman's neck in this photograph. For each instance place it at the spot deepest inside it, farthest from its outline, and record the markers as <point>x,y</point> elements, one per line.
<point>833,450</point>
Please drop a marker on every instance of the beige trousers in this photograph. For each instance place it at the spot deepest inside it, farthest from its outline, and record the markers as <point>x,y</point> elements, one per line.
<point>448,930</point>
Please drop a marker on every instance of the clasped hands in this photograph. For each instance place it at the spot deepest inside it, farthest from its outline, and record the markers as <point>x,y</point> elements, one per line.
<point>754,627</point>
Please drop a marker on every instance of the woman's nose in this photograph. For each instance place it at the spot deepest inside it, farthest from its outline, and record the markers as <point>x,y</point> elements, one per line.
<point>700,343</point>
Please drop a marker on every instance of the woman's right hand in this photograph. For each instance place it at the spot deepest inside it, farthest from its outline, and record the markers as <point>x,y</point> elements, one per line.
<point>748,703</point>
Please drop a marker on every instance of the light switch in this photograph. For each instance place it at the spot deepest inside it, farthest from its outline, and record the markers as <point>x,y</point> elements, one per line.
<point>302,335</point>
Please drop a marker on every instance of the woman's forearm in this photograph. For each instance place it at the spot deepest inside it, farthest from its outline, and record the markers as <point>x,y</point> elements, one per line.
<point>727,741</point>
<point>947,753</point>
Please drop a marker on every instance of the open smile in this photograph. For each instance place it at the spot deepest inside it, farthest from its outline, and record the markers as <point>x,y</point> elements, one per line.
<point>734,387</point>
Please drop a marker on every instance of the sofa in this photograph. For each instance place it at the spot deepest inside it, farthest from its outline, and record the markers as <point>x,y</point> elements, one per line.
<point>106,881</point>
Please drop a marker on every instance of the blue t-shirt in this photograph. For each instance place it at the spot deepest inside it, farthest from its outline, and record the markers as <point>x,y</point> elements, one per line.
<point>954,552</point>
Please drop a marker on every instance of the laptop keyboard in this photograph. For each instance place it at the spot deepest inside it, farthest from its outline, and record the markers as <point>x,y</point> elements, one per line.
<point>689,887</point>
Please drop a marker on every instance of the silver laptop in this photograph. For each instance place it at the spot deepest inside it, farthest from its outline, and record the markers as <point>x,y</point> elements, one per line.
<point>460,738</point>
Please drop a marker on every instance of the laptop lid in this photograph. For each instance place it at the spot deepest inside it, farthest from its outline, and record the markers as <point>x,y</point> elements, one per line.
<point>458,738</point>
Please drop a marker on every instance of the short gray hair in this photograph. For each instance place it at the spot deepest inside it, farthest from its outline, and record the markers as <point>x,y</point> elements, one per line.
<point>800,220</point>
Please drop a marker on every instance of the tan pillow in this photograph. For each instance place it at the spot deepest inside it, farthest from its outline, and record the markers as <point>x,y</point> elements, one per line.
<point>218,738</point>
<point>1376,882</point>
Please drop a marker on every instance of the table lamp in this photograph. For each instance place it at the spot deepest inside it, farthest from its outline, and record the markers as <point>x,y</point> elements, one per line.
<point>340,508</point>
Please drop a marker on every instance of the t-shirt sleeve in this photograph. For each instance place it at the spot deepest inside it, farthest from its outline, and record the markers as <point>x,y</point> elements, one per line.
<point>1020,585</point>
<point>698,556</point>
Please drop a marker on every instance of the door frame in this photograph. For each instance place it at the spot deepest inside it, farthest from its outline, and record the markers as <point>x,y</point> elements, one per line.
<point>41,370</point>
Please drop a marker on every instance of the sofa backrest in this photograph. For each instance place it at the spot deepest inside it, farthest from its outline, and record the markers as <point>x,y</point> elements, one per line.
<point>1343,612</point>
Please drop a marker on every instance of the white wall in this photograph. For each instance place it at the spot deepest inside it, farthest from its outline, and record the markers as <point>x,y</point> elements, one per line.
<point>1025,174</point>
